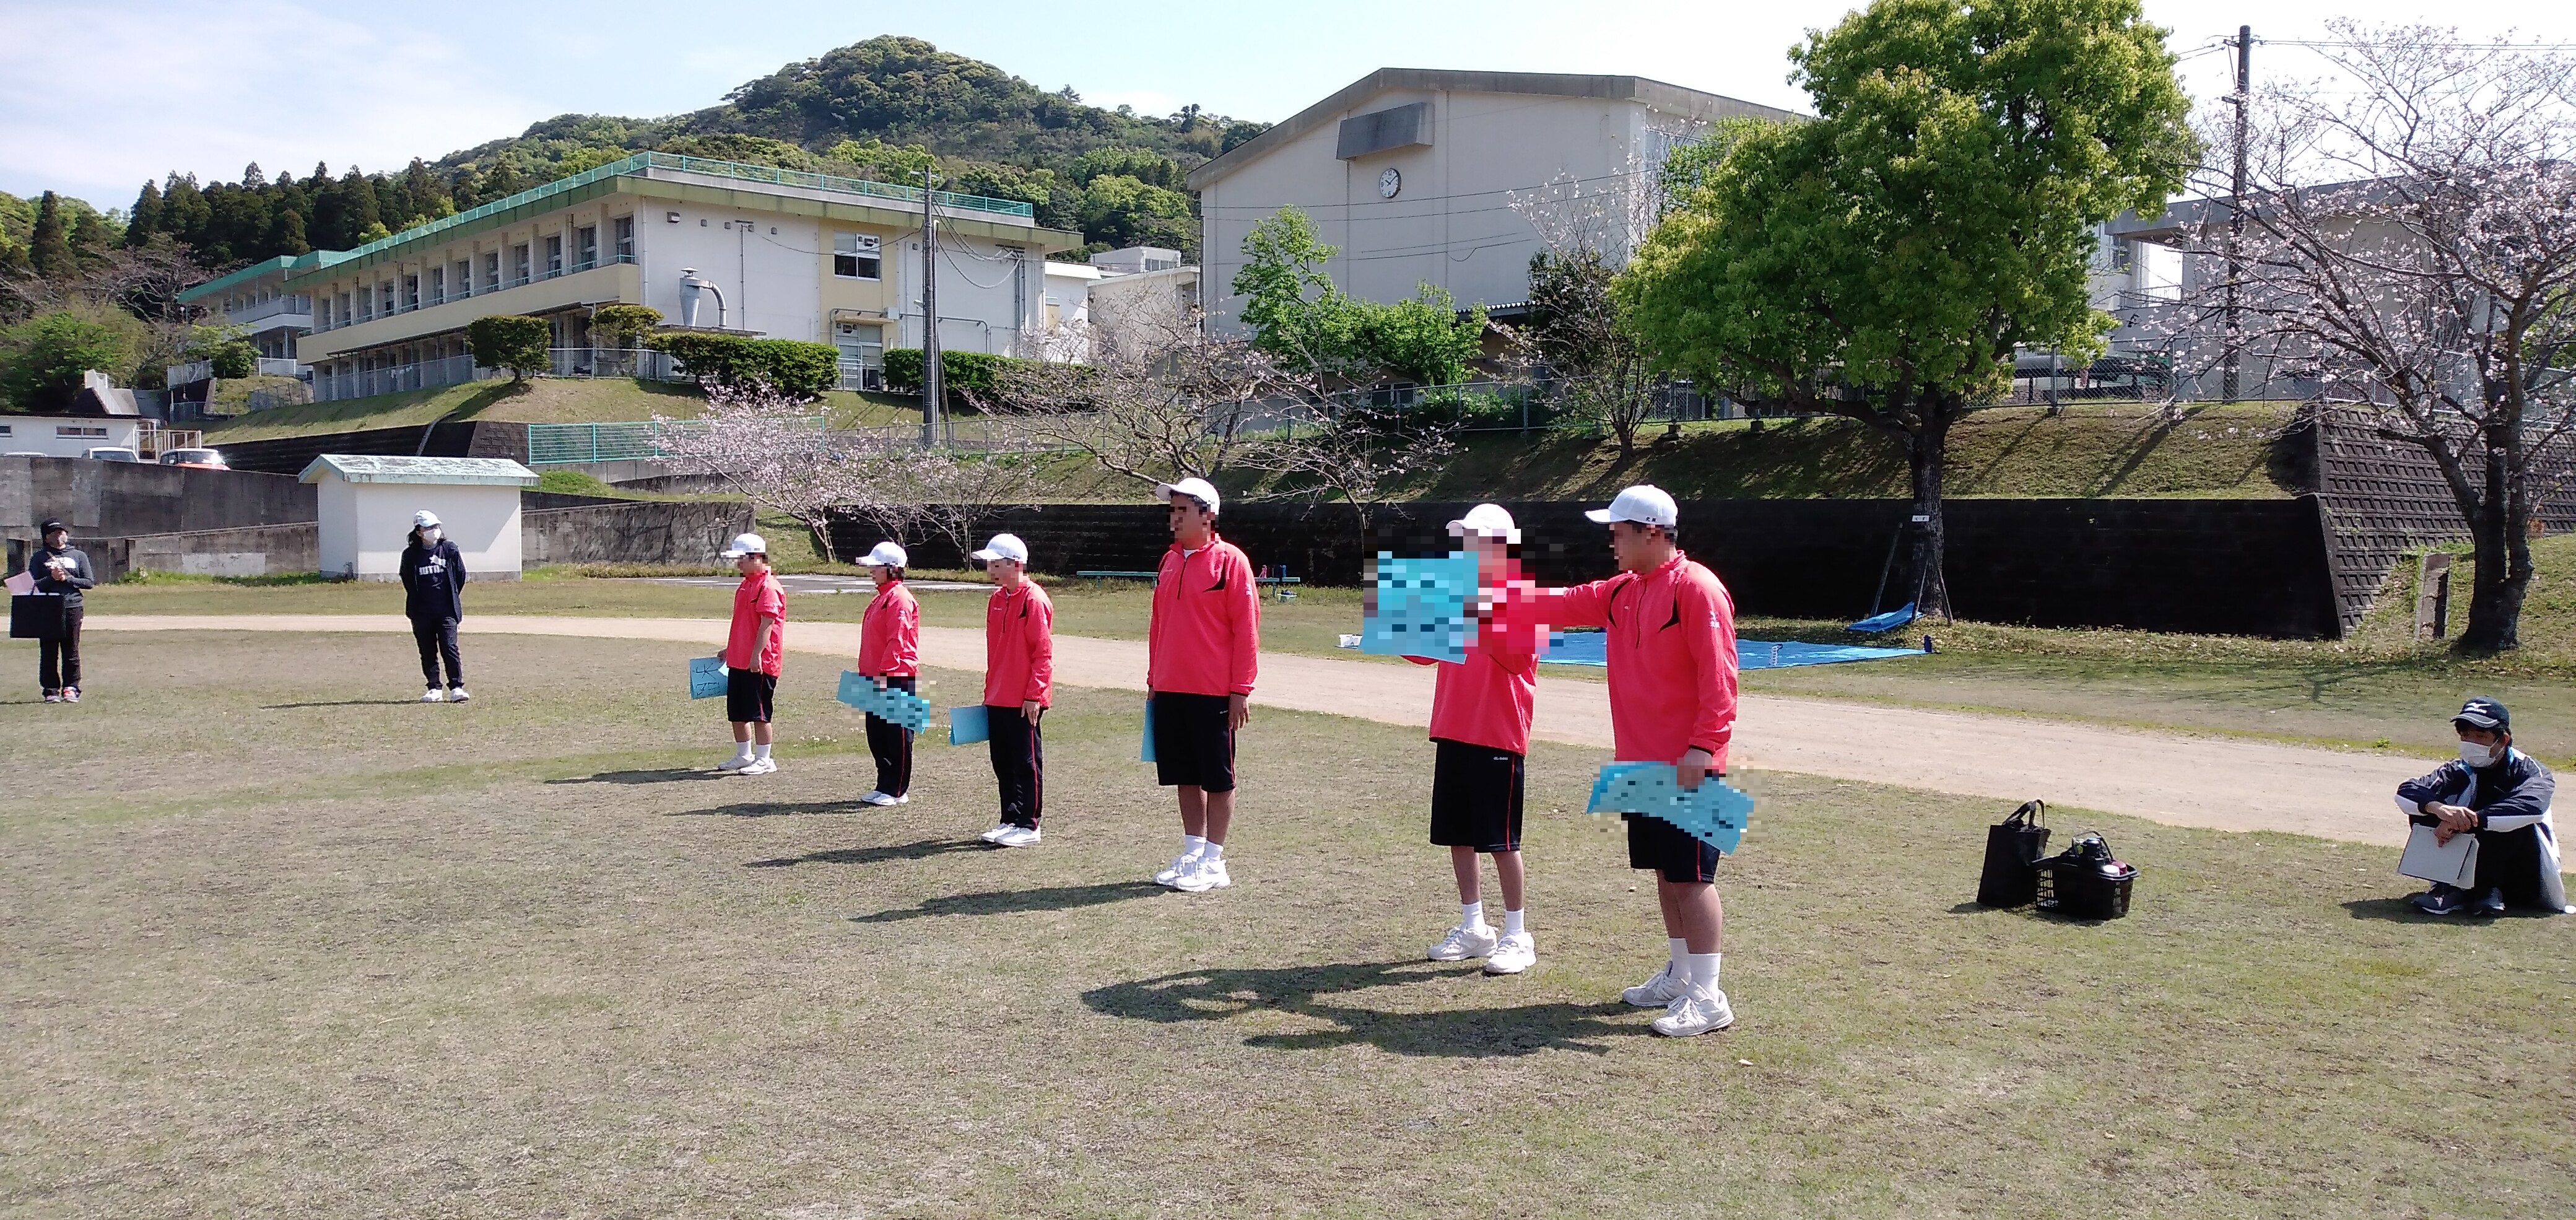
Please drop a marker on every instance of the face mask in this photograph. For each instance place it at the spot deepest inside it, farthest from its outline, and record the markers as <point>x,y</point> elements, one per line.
<point>2480,756</point>
<point>429,537</point>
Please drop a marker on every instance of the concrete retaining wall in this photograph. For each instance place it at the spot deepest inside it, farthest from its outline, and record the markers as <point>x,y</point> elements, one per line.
<point>259,550</point>
<point>631,532</point>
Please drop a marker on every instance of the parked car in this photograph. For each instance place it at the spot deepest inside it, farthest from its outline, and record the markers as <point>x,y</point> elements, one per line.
<point>112,453</point>
<point>200,459</point>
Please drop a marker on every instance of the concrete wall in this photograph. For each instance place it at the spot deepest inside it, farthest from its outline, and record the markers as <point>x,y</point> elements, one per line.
<point>122,499</point>
<point>364,526</point>
<point>258,550</point>
<point>634,532</point>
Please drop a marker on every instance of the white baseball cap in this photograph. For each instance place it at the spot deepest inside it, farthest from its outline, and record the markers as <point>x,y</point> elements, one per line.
<point>1486,520</point>
<point>423,519</point>
<point>887,555</point>
<point>746,544</point>
<point>1645,504</point>
<point>1004,546</point>
<point>1194,487</point>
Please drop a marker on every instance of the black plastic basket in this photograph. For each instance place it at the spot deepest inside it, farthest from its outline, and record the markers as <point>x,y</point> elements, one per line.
<point>2085,881</point>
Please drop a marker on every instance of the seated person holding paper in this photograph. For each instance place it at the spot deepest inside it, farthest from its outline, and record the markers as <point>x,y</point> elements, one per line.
<point>2501,796</point>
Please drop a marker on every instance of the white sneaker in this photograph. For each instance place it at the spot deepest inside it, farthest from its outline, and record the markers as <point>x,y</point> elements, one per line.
<point>735,763</point>
<point>879,798</point>
<point>1203,875</point>
<point>761,766</point>
<point>1017,836</point>
<point>433,695</point>
<point>71,694</point>
<point>1512,954</point>
<point>995,834</point>
<point>1659,991</point>
<point>1464,942</point>
<point>457,694</point>
<point>1696,1011</point>
<point>1180,864</point>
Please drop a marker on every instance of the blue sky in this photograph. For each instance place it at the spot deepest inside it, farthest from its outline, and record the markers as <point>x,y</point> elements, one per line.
<point>99,95</point>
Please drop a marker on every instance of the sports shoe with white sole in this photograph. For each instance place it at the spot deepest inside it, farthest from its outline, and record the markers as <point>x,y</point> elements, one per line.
<point>1512,954</point>
<point>1696,1011</point>
<point>1180,864</point>
<point>458,694</point>
<point>1659,991</point>
<point>1203,875</point>
<point>433,695</point>
<point>995,834</point>
<point>879,798</point>
<point>71,694</point>
<point>1464,942</point>
<point>760,766</point>
<point>53,696</point>
<point>1017,836</point>
<point>735,763</point>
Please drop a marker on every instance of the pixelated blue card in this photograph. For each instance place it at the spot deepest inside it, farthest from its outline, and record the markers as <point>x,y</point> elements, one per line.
<point>891,704</point>
<point>968,725</point>
<point>1421,607</point>
<point>1715,813</point>
<point>706,677</point>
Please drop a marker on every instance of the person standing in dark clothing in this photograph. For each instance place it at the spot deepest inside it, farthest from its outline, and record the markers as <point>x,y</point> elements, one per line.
<point>433,577</point>
<point>63,571</point>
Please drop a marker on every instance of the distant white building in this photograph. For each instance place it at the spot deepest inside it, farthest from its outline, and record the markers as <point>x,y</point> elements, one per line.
<point>1084,297</point>
<point>366,503</point>
<point>1411,173</point>
<point>101,416</point>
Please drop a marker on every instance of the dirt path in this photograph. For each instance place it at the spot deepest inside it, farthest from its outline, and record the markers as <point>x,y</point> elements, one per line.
<point>2219,782</point>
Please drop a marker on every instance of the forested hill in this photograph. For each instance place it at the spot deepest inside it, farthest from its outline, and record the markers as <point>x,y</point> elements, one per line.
<point>882,109</point>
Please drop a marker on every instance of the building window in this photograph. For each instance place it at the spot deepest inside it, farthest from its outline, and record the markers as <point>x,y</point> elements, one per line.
<point>492,272</point>
<point>77,432</point>
<point>624,235</point>
<point>463,278</point>
<point>862,354</point>
<point>385,299</point>
<point>437,285</point>
<point>411,292</point>
<point>344,309</point>
<point>554,255</point>
<point>586,246</point>
<point>518,264</point>
<point>855,256</point>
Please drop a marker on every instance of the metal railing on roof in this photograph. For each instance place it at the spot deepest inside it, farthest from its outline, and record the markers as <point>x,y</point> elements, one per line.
<point>645,162</point>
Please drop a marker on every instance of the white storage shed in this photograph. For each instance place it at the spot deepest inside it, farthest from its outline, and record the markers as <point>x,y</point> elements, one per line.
<point>366,505</point>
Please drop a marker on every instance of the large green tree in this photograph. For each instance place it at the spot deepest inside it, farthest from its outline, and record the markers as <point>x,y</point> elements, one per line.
<point>1301,319</point>
<point>1885,260</point>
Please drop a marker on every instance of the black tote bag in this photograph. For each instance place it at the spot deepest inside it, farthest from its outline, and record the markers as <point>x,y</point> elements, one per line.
<point>2013,849</point>
<point>36,616</point>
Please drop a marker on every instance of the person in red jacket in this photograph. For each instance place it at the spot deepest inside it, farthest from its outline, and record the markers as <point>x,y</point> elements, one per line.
<point>755,647</point>
<point>1480,730</point>
<point>1202,653</point>
<point>1019,673</point>
<point>1671,629</point>
<point>890,655</point>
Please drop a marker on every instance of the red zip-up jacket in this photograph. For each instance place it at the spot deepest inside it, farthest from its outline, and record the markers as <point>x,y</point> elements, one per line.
<point>1488,699</point>
<point>890,634</point>
<point>1205,637</point>
<point>1019,646</point>
<point>1672,657</point>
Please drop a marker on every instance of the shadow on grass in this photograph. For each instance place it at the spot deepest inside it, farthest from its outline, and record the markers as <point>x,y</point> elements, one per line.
<point>2402,910</point>
<point>921,850</point>
<point>772,809</point>
<point>1001,902</point>
<point>1215,995</point>
<point>288,707</point>
<point>664,776</point>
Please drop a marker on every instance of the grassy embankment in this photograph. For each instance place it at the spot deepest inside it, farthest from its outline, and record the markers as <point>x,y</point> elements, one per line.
<point>542,400</point>
<point>278,933</point>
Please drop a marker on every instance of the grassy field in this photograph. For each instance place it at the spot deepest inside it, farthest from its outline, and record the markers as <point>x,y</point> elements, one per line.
<point>279,940</point>
<point>2375,691</point>
<point>543,400</point>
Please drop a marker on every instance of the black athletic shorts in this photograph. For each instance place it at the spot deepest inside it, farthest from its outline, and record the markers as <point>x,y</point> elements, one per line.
<point>1475,796</point>
<point>1671,851</point>
<point>748,694</point>
<point>1193,742</point>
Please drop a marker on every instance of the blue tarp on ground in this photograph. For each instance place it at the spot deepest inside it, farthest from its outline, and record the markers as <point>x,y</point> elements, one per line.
<point>1588,648</point>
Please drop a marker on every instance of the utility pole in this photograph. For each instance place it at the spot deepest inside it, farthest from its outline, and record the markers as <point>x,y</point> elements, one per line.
<point>2244,101</point>
<point>931,389</point>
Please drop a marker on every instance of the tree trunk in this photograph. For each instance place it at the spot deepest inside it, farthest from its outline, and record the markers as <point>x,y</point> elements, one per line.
<point>1925,449</point>
<point>2502,538</point>
<point>821,527</point>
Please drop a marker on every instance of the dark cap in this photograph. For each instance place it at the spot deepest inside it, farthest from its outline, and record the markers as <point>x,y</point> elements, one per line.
<point>2481,712</point>
<point>51,524</point>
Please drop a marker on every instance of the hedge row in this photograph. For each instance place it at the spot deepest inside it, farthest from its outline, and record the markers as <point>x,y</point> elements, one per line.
<point>971,373</point>
<point>790,366</point>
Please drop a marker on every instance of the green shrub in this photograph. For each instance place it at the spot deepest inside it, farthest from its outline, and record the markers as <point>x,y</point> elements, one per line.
<point>510,341</point>
<point>234,360</point>
<point>792,367</point>
<point>974,374</point>
<point>42,358</point>
<point>623,325</point>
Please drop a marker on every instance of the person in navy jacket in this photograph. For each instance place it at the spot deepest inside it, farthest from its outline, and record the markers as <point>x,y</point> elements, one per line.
<point>433,579</point>
<point>2502,796</point>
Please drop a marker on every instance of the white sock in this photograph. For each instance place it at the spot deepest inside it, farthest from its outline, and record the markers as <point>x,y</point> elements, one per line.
<point>761,752</point>
<point>1192,845</point>
<point>1703,969</point>
<point>1471,914</point>
<point>742,749</point>
<point>1511,923</point>
<point>1215,851</point>
<point>1681,956</point>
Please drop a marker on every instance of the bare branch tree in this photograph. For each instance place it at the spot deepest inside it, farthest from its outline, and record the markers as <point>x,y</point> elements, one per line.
<point>1337,447</point>
<point>951,490</point>
<point>1160,398</point>
<point>2410,248</point>
<point>777,453</point>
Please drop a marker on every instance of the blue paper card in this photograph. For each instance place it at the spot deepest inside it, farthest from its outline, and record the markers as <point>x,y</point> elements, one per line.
<point>893,705</point>
<point>1715,813</point>
<point>1148,753</point>
<point>706,677</point>
<point>967,725</point>
<point>1423,607</point>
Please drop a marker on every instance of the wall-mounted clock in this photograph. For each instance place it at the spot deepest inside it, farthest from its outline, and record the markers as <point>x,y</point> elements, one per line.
<point>1389,183</point>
